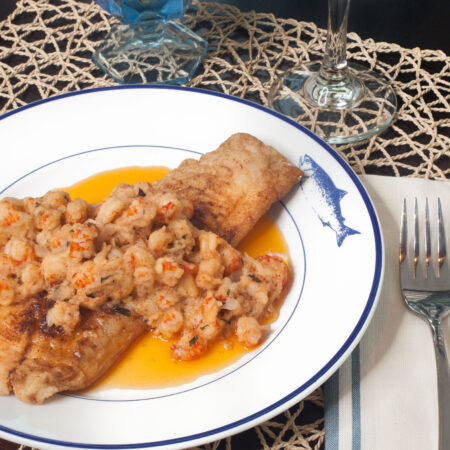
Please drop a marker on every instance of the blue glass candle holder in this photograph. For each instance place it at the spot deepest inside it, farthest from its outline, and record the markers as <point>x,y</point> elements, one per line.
<point>150,45</point>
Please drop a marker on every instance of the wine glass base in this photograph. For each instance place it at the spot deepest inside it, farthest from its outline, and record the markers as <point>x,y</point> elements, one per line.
<point>340,115</point>
<point>152,52</point>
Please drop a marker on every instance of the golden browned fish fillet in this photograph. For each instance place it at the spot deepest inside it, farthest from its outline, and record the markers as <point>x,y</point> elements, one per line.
<point>230,188</point>
<point>233,186</point>
<point>58,362</point>
<point>17,323</point>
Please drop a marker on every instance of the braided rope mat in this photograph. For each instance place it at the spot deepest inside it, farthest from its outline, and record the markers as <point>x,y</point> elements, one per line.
<point>46,48</point>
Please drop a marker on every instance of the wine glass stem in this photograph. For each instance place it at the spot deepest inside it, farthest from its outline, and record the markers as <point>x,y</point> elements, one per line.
<point>334,86</point>
<point>334,64</point>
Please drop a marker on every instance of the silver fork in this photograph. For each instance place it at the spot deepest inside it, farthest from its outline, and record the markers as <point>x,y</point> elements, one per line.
<point>428,293</point>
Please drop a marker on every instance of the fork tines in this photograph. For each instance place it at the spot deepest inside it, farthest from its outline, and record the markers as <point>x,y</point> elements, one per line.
<point>441,246</point>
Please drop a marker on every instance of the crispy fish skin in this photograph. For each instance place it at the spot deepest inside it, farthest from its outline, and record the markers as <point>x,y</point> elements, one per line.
<point>57,362</point>
<point>233,186</point>
<point>17,324</point>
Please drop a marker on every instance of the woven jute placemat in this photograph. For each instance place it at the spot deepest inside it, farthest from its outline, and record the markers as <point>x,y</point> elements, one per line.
<point>46,48</point>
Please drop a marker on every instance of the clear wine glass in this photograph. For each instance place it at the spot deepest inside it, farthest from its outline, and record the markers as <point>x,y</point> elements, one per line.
<point>150,45</point>
<point>339,101</point>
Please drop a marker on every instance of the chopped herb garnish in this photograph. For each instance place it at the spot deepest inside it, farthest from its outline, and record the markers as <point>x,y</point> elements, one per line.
<point>120,310</point>
<point>254,278</point>
<point>228,322</point>
<point>141,193</point>
<point>193,340</point>
<point>102,279</point>
<point>93,295</point>
<point>204,326</point>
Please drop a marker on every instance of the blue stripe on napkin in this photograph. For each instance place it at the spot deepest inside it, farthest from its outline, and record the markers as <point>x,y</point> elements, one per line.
<point>331,395</point>
<point>356,401</point>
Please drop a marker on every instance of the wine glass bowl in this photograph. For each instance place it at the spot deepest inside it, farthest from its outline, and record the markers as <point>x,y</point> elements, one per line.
<point>339,101</point>
<point>149,45</point>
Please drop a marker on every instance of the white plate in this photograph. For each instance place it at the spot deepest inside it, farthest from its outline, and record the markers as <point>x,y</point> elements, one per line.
<point>59,141</point>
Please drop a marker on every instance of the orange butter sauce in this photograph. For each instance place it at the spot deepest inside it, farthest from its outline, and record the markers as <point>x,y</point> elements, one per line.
<point>148,364</point>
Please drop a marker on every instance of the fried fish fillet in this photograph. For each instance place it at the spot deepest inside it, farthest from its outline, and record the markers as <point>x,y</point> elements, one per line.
<point>17,324</point>
<point>57,362</point>
<point>233,186</point>
<point>230,189</point>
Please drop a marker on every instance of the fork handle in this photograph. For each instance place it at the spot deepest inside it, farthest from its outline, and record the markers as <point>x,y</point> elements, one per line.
<point>443,384</point>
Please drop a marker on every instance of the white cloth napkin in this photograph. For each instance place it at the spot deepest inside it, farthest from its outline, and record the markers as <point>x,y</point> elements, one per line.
<point>385,395</point>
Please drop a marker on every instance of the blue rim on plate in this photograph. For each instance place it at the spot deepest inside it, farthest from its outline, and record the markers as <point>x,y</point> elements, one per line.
<point>348,344</point>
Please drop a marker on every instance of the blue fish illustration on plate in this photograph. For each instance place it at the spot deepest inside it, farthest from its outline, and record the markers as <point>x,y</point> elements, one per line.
<point>325,198</point>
